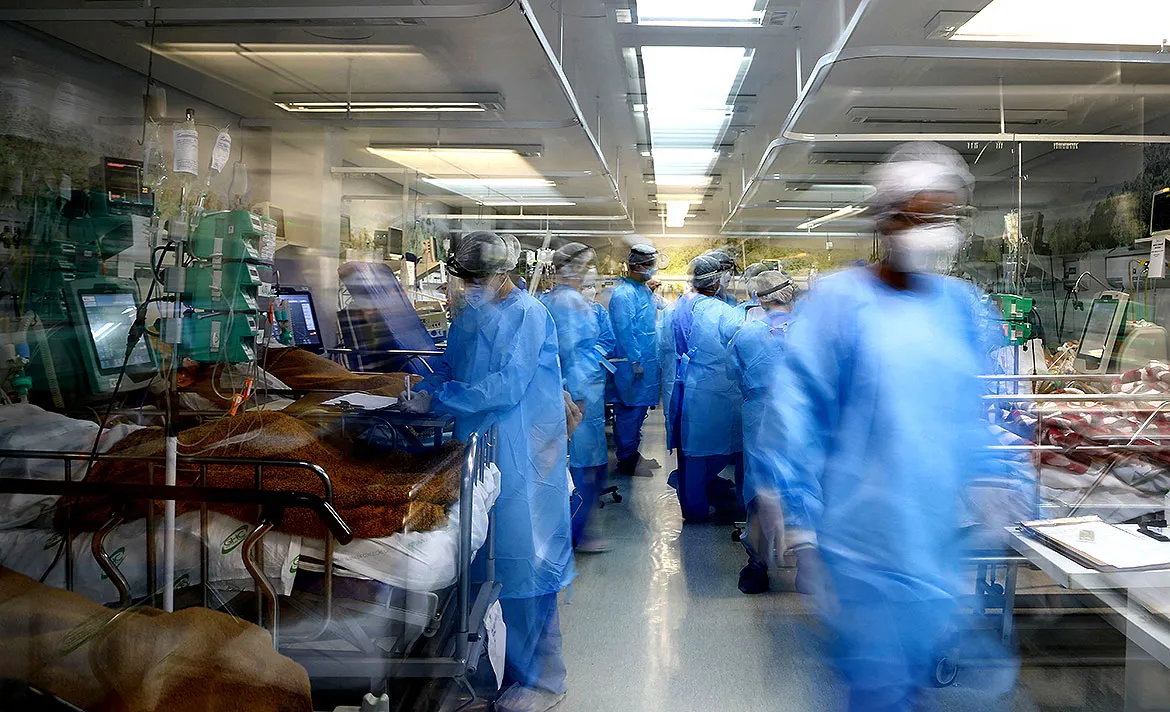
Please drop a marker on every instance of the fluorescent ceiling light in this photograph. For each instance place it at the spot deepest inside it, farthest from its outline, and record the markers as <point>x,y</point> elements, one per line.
<point>468,162</point>
<point>529,204</point>
<point>387,103</point>
<point>676,213</point>
<point>1084,22</point>
<point>684,181</point>
<point>702,13</point>
<point>689,100</point>
<point>845,212</point>
<point>275,49</point>
<point>503,192</point>
<point>526,218</point>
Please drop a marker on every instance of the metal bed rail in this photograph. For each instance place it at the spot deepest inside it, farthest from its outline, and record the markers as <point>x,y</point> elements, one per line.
<point>69,489</point>
<point>272,504</point>
<point>456,649</point>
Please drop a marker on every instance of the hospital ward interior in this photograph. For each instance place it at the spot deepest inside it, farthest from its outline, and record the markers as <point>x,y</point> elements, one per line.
<point>587,355</point>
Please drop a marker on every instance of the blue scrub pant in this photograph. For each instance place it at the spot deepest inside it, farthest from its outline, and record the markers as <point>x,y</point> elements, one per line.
<point>886,650</point>
<point>627,428</point>
<point>533,657</point>
<point>695,473</point>
<point>589,482</point>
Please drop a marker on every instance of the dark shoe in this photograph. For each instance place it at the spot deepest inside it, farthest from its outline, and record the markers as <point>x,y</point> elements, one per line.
<point>753,579</point>
<point>627,465</point>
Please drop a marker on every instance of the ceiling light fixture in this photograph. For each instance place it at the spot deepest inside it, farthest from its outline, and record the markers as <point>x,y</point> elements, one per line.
<point>388,103</point>
<point>702,13</point>
<point>676,213</point>
<point>689,91</point>
<point>845,212</point>
<point>1080,22</point>
<point>279,49</point>
<point>504,192</point>
<point>526,218</point>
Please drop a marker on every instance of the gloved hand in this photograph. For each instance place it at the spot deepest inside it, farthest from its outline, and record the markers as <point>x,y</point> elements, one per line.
<point>573,414</point>
<point>639,371</point>
<point>770,517</point>
<point>812,577</point>
<point>417,403</point>
<point>653,284</point>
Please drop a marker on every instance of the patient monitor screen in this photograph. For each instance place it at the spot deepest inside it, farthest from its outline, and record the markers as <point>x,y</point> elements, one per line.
<point>110,317</point>
<point>304,326</point>
<point>1098,329</point>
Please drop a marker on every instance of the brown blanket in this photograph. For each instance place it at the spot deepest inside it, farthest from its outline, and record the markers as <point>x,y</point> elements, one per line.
<point>302,370</point>
<point>376,497</point>
<point>142,660</point>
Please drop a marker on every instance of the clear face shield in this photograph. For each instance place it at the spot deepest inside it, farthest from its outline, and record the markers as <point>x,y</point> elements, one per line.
<point>473,292</point>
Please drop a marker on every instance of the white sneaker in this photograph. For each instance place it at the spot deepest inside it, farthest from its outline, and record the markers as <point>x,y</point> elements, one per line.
<point>518,698</point>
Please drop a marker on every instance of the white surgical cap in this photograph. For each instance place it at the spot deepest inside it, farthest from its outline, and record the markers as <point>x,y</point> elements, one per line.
<point>513,246</point>
<point>918,167</point>
<point>706,271</point>
<point>572,259</point>
<point>774,286</point>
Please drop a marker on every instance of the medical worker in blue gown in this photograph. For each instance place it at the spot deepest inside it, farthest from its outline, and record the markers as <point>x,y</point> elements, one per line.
<point>727,262</point>
<point>633,310</point>
<point>757,353</point>
<point>501,367</point>
<point>706,404</point>
<point>880,419</point>
<point>579,335</point>
<point>751,306</point>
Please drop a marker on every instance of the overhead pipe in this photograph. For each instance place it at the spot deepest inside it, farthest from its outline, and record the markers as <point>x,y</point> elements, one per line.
<point>567,89</point>
<point>789,136</point>
<point>204,16</point>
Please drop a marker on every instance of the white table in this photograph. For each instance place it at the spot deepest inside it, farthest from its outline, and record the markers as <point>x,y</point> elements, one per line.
<point>1147,654</point>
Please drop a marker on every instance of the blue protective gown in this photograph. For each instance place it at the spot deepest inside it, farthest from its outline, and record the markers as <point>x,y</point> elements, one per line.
<point>879,414</point>
<point>579,341</point>
<point>711,402</point>
<point>634,314</point>
<point>668,364</point>
<point>501,367</point>
<point>757,353</point>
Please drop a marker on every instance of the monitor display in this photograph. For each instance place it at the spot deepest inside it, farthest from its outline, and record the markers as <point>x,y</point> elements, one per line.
<point>1098,329</point>
<point>303,319</point>
<point>1160,213</point>
<point>109,317</point>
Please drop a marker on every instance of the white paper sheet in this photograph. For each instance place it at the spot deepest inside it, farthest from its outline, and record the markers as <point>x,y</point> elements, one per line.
<point>1114,546</point>
<point>364,401</point>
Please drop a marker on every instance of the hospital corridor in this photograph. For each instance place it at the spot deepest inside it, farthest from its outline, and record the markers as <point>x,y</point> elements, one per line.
<point>584,356</point>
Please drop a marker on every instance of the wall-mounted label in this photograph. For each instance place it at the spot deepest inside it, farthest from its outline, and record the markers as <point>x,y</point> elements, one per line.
<point>1158,257</point>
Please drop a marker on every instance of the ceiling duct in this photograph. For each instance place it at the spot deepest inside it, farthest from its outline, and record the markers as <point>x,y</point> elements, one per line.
<point>941,116</point>
<point>780,17</point>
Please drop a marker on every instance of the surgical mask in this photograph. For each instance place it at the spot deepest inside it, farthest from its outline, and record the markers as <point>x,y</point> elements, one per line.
<point>724,281</point>
<point>590,293</point>
<point>590,275</point>
<point>475,297</point>
<point>925,249</point>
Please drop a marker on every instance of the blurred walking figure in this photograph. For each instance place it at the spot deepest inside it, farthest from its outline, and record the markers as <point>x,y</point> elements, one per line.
<point>582,352</point>
<point>757,353</point>
<point>878,426</point>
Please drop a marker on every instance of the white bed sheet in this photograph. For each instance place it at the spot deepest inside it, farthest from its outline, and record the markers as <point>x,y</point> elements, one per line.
<point>416,561</point>
<point>31,552</point>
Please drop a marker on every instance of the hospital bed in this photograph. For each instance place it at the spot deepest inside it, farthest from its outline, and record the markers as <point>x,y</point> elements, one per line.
<point>402,606</point>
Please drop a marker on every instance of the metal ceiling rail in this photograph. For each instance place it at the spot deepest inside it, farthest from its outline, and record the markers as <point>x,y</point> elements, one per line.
<point>204,15</point>
<point>567,88</point>
<point>789,136</point>
<point>294,122</point>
